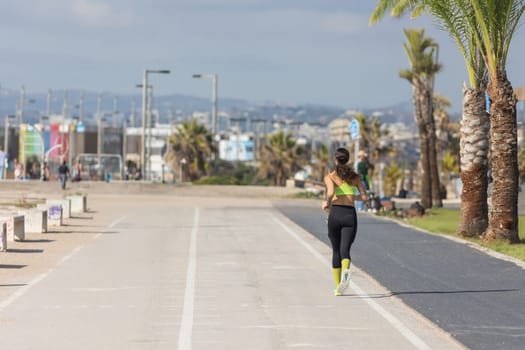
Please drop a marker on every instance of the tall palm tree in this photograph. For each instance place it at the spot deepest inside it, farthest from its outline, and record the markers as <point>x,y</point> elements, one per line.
<point>497,21</point>
<point>280,158</point>
<point>474,132</point>
<point>420,52</point>
<point>193,143</point>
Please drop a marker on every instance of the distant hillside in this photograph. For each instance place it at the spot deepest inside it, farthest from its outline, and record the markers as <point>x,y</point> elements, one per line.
<point>179,107</point>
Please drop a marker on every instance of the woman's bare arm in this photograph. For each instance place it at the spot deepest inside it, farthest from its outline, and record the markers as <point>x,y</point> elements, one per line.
<point>329,193</point>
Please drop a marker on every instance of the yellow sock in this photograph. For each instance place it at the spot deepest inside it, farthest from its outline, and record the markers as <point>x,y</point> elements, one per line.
<point>345,264</point>
<point>337,275</point>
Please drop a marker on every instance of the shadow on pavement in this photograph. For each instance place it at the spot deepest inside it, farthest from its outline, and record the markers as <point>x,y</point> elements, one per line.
<point>468,291</point>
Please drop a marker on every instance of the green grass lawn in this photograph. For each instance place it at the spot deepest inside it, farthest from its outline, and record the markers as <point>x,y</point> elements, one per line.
<point>445,221</point>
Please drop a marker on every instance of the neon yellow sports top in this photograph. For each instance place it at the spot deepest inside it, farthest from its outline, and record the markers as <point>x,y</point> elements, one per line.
<point>345,190</point>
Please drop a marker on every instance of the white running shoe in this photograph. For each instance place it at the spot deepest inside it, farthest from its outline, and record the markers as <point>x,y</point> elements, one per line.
<point>345,278</point>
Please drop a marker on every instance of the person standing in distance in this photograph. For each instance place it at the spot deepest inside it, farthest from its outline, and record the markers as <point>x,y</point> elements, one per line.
<point>63,172</point>
<point>342,186</point>
<point>363,168</point>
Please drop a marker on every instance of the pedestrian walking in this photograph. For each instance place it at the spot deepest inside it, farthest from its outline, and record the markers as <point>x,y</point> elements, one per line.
<point>19,169</point>
<point>77,171</point>
<point>342,187</point>
<point>63,172</point>
<point>46,174</point>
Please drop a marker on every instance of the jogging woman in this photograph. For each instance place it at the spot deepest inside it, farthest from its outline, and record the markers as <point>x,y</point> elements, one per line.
<point>343,186</point>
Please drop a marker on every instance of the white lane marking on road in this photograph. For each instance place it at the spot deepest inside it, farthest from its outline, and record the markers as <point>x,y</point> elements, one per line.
<point>394,321</point>
<point>23,289</point>
<point>113,224</point>
<point>67,257</point>
<point>189,294</point>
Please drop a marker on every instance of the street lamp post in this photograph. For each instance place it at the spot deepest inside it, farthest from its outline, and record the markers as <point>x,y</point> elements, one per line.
<point>214,78</point>
<point>147,133</point>
<point>21,104</point>
<point>72,140</point>
<point>6,138</point>
<point>144,115</point>
<point>100,143</point>
<point>43,147</point>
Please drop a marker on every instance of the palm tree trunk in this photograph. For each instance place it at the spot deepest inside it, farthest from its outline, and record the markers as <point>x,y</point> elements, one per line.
<point>474,147</point>
<point>419,103</point>
<point>503,216</point>
<point>432,155</point>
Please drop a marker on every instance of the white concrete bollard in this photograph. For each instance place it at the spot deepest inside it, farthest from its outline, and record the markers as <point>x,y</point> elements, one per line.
<point>66,206</point>
<point>54,214</point>
<point>35,220</point>
<point>78,203</point>
<point>14,227</point>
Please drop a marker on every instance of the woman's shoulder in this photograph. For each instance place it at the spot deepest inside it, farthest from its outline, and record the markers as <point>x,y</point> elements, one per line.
<point>329,175</point>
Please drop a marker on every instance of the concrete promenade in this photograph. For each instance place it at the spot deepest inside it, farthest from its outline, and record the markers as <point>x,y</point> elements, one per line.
<point>192,267</point>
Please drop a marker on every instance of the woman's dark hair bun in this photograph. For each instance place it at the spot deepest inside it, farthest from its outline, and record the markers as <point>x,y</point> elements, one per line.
<point>342,155</point>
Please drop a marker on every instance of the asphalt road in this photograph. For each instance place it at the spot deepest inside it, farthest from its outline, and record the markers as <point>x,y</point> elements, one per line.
<point>170,271</point>
<point>477,298</point>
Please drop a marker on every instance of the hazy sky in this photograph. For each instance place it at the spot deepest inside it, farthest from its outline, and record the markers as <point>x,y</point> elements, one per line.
<point>291,51</point>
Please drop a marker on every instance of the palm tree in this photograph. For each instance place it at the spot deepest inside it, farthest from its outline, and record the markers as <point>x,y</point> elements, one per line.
<point>371,132</point>
<point>393,174</point>
<point>280,158</point>
<point>483,31</point>
<point>443,125</point>
<point>321,162</point>
<point>497,22</point>
<point>474,133</point>
<point>193,143</point>
<point>420,52</point>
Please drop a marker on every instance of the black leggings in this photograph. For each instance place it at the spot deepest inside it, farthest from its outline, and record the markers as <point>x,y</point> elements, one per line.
<point>342,228</point>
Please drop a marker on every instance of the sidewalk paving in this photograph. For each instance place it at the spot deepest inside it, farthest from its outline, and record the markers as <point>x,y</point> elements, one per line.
<point>369,317</point>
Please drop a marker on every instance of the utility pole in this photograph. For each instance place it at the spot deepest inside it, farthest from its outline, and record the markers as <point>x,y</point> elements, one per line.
<point>49,99</point>
<point>81,107</point>
<point>115,112</point>
<point>21,104</point>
